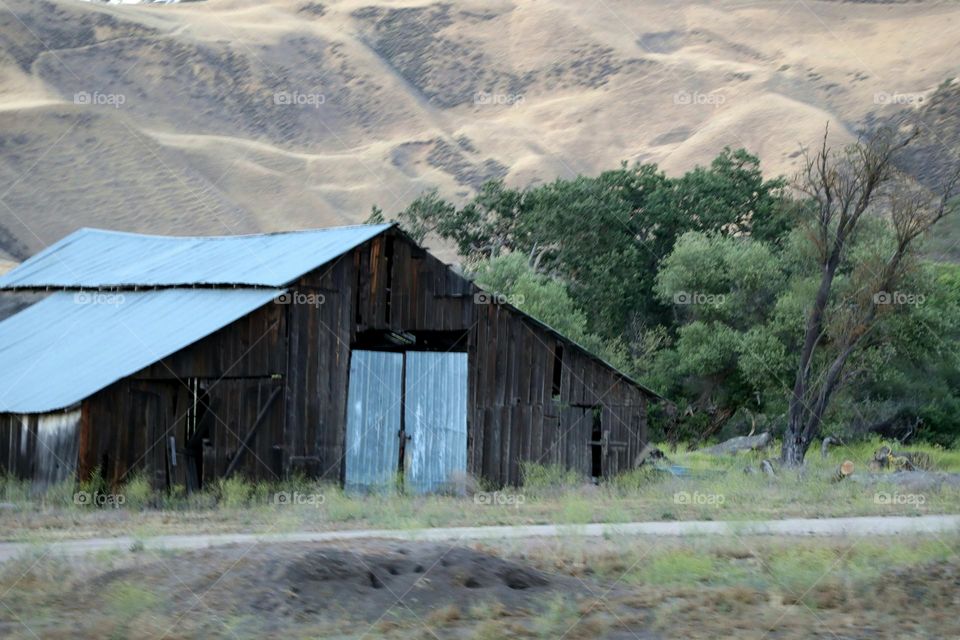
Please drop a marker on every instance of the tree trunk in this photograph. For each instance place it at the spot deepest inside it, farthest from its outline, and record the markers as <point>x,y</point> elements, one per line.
<point>797,438</point>
<point>794,447</point>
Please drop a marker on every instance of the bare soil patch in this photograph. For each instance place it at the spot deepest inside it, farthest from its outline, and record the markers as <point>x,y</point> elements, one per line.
<point>575,588</point>
<point>372,587</point>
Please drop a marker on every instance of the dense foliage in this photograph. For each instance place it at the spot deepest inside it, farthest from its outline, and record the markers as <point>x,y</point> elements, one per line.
<point>699,285</point>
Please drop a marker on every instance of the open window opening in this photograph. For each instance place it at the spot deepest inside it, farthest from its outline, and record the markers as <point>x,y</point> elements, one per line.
<point>557,370</point>
<point>596,446</point>
<point>386,340</point>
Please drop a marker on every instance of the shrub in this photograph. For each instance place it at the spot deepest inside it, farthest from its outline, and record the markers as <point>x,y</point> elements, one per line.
<point>137,493</point>
<point>235,492</point>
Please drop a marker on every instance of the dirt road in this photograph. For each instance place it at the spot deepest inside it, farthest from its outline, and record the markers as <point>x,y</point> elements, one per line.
<point>860,526</point>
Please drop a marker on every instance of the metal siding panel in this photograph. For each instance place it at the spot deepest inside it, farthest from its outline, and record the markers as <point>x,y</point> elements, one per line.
<point>64,349</point>
<point>373,420</point>
<point>56,448</point>
<point>436,421</point>
<point>98,258</point>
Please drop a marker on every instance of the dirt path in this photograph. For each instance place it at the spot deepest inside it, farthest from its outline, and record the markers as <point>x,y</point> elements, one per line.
<point>860,526</point>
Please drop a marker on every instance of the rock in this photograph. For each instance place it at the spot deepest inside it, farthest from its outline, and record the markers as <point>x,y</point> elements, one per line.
<point>740,443</point>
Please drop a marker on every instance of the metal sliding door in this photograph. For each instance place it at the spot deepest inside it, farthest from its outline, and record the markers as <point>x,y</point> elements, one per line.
<point>373,420</point>
<point>435,421</point>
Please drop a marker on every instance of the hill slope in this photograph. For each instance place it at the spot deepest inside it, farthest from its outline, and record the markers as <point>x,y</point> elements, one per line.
<point>231,116</point>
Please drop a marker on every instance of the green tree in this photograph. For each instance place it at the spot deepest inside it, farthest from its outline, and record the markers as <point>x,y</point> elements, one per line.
<point>547,300</point>
<point>843,188</point>
<point>604,236</point>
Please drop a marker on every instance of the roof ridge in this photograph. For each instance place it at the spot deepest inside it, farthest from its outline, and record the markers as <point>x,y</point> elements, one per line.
<point>137,234</point>
<point>98,258</point>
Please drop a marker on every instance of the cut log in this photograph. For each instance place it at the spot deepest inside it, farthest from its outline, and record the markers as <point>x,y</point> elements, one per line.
<point>844,471</point>
<point>740,443</point>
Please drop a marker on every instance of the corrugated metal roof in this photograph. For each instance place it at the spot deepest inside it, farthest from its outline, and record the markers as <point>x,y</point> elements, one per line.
<point>91,258</point>
<point>70,345</point>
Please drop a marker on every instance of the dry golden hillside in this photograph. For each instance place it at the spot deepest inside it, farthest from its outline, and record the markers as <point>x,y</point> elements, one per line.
<point>231,116</point>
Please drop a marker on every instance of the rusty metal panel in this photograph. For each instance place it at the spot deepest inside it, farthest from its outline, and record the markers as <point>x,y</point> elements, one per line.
<point>435,416</point>
<point>373,420</point>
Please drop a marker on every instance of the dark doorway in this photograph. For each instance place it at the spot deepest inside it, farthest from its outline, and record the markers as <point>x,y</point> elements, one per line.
<point>197,430</point>
<point>596,445</point>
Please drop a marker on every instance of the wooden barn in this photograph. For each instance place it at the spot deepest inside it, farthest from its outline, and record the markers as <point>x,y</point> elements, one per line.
<point>348,353</point>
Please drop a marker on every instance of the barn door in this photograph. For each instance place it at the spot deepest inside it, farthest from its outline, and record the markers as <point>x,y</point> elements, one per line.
<point>435,421</point>
<point>373,420</point>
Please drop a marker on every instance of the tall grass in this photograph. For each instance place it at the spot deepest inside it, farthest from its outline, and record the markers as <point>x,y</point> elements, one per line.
<point>714,488</point>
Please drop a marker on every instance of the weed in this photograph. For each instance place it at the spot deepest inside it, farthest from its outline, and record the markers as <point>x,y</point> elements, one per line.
<point>559,615</point>
<point>137,492</point>
<point>540,479</point>
<point>235,492</point>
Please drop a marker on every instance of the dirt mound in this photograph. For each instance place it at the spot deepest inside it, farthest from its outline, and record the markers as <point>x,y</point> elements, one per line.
<point>288,588</point>
<point>421,578</point>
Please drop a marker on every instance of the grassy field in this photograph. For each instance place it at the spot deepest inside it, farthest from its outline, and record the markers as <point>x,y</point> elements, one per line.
<point>715,488</point>
<point>566,588</point>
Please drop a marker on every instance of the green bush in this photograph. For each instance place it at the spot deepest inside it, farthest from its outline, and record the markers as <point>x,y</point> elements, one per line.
<point>235,492</point>
<point>137,493</point>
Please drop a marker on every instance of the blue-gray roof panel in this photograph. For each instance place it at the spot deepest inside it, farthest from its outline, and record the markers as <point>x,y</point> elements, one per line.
<point>93,258</point>
<point>69,345</point>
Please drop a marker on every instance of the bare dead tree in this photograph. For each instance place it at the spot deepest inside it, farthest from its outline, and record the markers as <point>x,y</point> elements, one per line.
<point>843,186</point>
